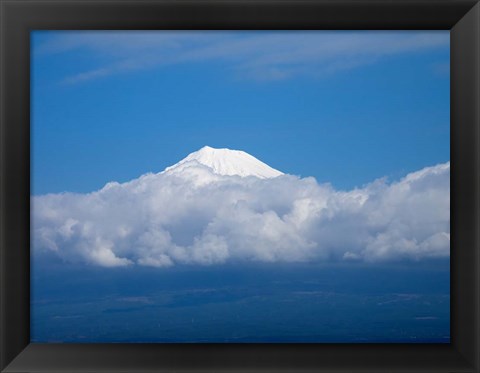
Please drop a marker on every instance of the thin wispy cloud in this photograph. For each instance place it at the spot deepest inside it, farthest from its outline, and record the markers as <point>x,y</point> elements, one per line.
<point>256,55</point>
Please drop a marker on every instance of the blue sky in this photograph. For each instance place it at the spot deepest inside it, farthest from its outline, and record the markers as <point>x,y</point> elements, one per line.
<point>344,107</point>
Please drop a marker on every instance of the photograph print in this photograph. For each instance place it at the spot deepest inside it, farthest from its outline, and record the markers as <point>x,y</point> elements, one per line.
<point>240,187</point>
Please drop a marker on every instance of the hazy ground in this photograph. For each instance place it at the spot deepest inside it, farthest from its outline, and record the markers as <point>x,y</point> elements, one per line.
<point>240,303</point>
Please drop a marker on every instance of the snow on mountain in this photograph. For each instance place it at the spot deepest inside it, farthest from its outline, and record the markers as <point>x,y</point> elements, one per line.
<point>225,162</point>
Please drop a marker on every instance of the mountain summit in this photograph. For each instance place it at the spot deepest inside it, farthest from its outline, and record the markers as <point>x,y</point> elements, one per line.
<point>226,162</point>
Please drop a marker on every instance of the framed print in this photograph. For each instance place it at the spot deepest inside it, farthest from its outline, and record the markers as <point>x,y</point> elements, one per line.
<point>234,185</point>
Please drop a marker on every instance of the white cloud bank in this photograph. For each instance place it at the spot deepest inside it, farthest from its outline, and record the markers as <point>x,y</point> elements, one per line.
<point>198,217</point>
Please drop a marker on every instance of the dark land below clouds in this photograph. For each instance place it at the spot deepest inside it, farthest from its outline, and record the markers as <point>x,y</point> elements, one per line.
<point>305,302</point>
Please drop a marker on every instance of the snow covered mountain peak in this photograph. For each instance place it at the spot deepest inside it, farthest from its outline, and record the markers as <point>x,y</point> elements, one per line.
<point>226,162</point>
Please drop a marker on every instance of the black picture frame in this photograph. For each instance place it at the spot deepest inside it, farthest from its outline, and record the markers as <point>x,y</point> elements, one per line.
<point>19,17</point>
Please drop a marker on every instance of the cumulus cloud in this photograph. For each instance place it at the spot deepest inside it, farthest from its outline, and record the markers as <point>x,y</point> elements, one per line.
<point>198,217</point>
